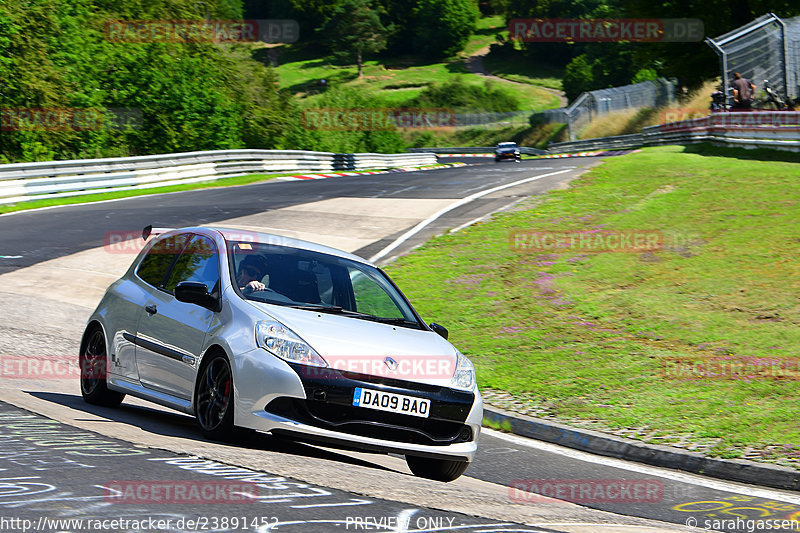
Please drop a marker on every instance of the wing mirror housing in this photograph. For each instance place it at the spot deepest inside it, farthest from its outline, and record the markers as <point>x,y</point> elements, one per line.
<point>440,330</point>
<point>195,292</point>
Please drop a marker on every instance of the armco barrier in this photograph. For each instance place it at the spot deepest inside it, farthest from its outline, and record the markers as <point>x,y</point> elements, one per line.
<point>54,179</point>
<point>754,129</point>
<point>618,142</point>
<point>475,150</point>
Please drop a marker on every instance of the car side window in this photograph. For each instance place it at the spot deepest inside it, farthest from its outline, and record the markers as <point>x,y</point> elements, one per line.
<point>371,298</point>
<point>156,263</point>
<point>198,262</point>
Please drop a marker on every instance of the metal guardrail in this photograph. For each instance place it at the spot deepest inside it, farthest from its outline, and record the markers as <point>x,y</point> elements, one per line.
<point>777,129</point>
<point>475,150</point>
<point>54,179</point>
<point>617,142</point>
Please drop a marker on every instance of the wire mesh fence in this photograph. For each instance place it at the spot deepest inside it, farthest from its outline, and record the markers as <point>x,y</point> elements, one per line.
<point>602,101</point>
<point>511,118</point>
<point>497,120</point>
<point>586,107</point>
<point>766,49</point>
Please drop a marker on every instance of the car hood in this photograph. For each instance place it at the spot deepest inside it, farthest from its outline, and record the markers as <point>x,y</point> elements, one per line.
<point>362,346</point>
<point>504,150</point>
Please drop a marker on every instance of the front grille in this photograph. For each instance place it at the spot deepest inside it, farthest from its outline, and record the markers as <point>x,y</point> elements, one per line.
<point>371,423</point>
<point>318,374</point>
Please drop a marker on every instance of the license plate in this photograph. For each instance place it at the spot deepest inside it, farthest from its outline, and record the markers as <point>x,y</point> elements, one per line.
<point>394,403</point>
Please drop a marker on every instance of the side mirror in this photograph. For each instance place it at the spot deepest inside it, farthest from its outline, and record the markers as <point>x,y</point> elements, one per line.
<point>195,292</point>
<point>440,330</point>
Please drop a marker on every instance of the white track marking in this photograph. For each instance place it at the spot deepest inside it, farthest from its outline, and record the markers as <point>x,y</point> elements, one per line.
<point>416,229</point>
<point>484,217</point>
<point>647,469</point>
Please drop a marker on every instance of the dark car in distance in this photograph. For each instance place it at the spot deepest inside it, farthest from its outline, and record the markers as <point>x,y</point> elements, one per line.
<point>507,150</point>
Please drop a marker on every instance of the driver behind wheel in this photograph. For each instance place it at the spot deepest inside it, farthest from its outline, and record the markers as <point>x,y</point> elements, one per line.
<point>251,272</point>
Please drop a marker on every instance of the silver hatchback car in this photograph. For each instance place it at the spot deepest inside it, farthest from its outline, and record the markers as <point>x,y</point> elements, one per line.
<point>257,331</point>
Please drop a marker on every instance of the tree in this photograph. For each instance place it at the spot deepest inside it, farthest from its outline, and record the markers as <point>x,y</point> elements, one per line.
<point>354,29</point>
<point>55,57</point>
<point>442,27</point>
<point>577,77</point>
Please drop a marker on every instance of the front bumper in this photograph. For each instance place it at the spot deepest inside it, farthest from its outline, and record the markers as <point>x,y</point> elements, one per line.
<point>506,155</point>
<point>323,412</point>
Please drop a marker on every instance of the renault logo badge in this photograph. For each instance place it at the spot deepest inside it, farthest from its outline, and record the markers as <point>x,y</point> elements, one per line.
<point>391,363</point>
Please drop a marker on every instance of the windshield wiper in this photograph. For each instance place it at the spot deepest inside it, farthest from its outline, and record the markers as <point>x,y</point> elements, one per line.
<point>335,309</point>
<point>387,320</point>
<point>317,307</point>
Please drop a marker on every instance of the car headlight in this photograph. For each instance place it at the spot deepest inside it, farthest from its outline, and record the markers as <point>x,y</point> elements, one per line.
<point>464,376</point>
<point>280,341</point>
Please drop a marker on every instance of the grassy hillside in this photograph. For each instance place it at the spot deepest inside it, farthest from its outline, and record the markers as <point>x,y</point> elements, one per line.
<point>396,81</point>
<point>638,342</point>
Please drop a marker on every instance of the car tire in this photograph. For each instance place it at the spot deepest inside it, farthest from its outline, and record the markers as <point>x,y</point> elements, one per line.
<point>436,469</point>
<point>213,402</point>
<point>93,362</point>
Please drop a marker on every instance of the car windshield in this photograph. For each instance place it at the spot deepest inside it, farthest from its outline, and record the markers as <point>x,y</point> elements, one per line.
<point>309,280</point>
<point>507,145</point>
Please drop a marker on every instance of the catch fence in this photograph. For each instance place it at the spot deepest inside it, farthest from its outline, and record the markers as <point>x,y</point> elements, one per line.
<point>586,107</point>
<point>766,49</point>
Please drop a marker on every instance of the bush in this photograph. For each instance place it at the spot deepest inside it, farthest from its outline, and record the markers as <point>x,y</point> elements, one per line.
<point>645,74</point>
<point>306,137</point>
<point>463,97</point>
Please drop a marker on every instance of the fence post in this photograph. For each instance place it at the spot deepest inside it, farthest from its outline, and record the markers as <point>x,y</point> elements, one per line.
<point>785,50</point>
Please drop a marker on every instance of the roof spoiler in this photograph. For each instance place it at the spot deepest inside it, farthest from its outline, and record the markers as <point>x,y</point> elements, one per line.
<point>150,230</point>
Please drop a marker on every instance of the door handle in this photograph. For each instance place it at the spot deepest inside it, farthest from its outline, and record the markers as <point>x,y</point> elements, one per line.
<point>151,309</point>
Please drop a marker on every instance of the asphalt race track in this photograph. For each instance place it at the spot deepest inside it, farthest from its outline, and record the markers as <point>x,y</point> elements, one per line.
<point>64,459</point>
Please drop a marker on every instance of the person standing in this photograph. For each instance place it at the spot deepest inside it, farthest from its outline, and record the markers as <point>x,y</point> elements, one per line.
<point>743,91</point>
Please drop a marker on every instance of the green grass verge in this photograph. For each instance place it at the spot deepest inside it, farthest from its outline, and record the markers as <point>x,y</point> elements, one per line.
<point>515,67</point>
<point>590,336</point>
<point>99,197</point>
